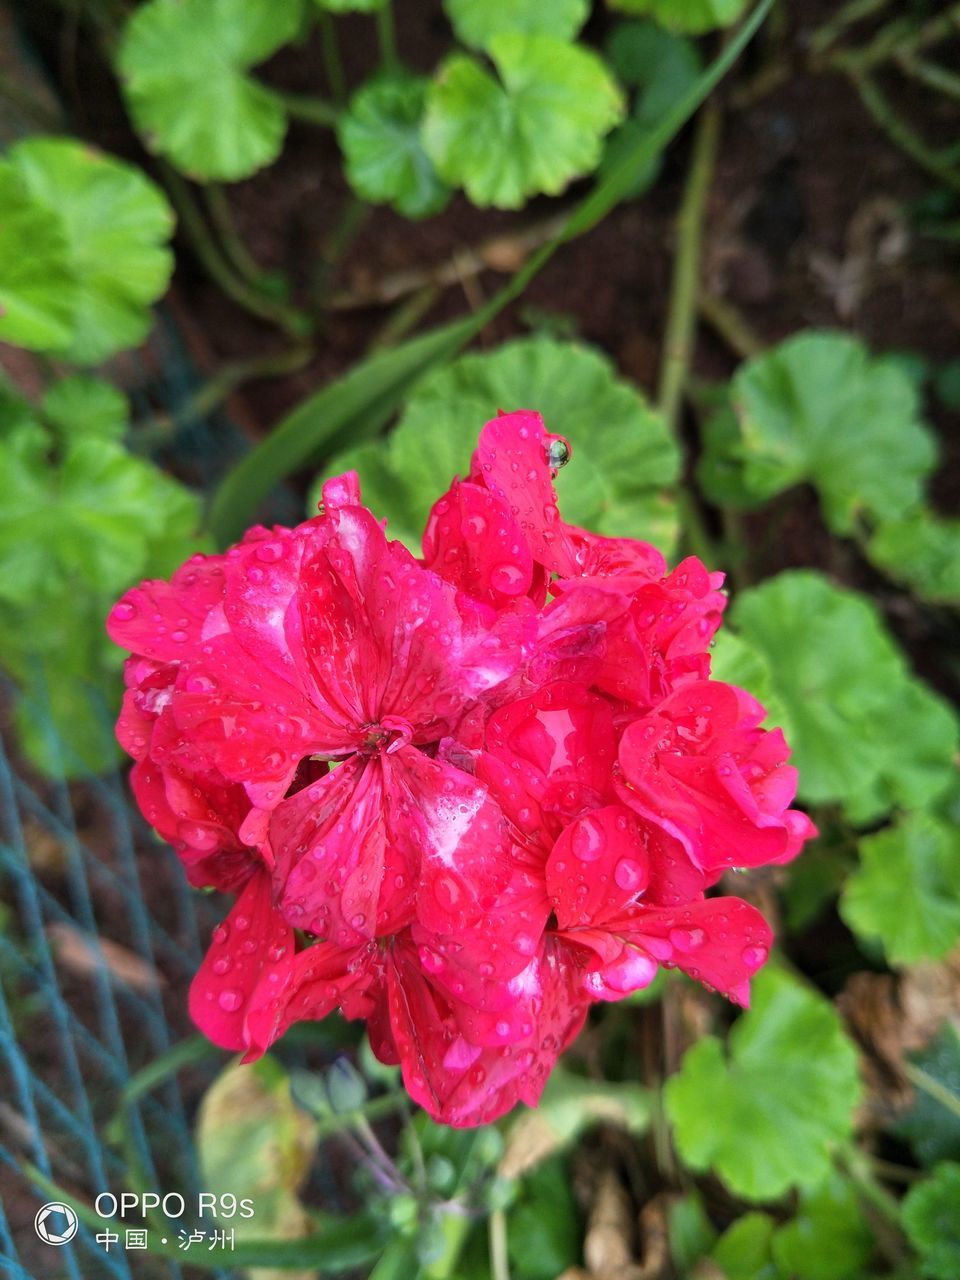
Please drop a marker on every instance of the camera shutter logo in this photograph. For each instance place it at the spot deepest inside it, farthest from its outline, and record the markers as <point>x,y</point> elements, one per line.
<point>56,1223</point>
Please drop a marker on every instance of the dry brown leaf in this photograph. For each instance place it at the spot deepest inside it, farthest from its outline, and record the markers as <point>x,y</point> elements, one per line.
<point>77,952</point>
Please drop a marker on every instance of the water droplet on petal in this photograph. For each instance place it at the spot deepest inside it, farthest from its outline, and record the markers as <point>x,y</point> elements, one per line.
<point>628,875</point>
<point>687,939</point>
<point>557,451</point>
<point>754,957</point>
<point>229,1000</point>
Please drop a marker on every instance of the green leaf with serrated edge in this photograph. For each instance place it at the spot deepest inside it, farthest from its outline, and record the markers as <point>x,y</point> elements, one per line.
<point>476,22</point>
<point>932,1223</point>
<point>828,1238</point>
<point>255,1143</point>
<point>864,732</point>
<point>38,285</point>
<point>904,894</point>
<point>922,552</point>
<point>765,1115</point>
<point>385,159</point>
<point>358,405</point>
<point>84,406</point>
<point>692,16</point>
<point>183,68</point>
<point>531,131</point>
<point>661,67</point>
<point>743,1251</point>
<point>820,408</point>
<point>543,1231</point>
<point>931,1126</point>
<point>619,481</point>
<point>117,225</point>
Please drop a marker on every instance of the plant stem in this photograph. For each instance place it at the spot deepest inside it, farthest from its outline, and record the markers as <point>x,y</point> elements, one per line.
<point>43,116</point>
<point>682,316</point>
<point>499,1255</point>
<point>899,132</point>
<point>932,74</point>
<point>851,13</point>
<point>387,36</point>
<point>220,271</point>
<point>932,1088</point>
<point>455,1228</point>
<point>302,106</point>
<point>231,241</point>
<point>726,319</point>
<point>331,57</point>
<point>857,1168</point>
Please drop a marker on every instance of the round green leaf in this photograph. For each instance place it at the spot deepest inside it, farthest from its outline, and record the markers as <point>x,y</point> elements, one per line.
<point>828,1239</point>
<point>38,288</point>
<point>476,22</point>
<point>351,6</point>
<point>625,461</point>
<point>923,552</point>
<point>743,1251</point>
<point>183,67</point>
<point>117,225</point>
<point>932,1222</point>
<point>530,132</point>
<point>820,408</point>
<point>904,894</point>
<point>385,159</point>
<point>865,733</point>
<point>765,1115</point>
<point>692,16</point>
<point>932,1125</point>
<point>85,406</point>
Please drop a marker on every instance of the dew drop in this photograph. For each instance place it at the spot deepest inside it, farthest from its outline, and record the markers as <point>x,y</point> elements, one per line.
<point>628,875</point>
<point>230,1000</point>
<point>687,939</point>
<point>557,451</point>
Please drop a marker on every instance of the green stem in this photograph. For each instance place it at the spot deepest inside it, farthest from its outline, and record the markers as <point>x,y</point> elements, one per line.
<point>857,1167</point>
<point>900,133</point>
<point>455,1228</point>
<point>387,36</point>
<point>233,245</point>
<point>932,74</point>
<point>302,106</point>
<point>406,316</point>
<point>932,1088</point>
<point>332,62</point>
<point>41,115</point>
<point>849,14</point>
<point>728,322</point>
<point>682,316</point>
<point>499,1254</point>
<point>220,271</point>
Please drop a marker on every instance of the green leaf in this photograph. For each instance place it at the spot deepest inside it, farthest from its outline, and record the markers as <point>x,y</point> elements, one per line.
<point>735,661</point>
<point>743,1251</point>
<point>85,406</point>
<point>932,1223</point>
<point>692,1234</point>
<point>81,520</point>
<point>183,66</point>
<point>820,408</point>
<point>904,894</point>
<point>38,288</point>
<point>532,131</point>
<point>385,159</point>
<point>923,552</point>
<point>662,67</point>
<point>543,1227</point>
<point>624,465</point>
<point>116,225</point>
<point>693,16</point>
<point>351,6</point>
<point>363,399</point>
<point>765,1116</point>
<point>865,733</point>
<point>476,22</point>
<point>255,1143</point>
<point>931,1126</point>
<point>828,1239</point>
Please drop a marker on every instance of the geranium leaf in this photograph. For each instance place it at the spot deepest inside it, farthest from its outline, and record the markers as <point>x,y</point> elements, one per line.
<point>85,406</point>
<point>385,159</point>
<point>922,551</point>
<point>930,1126</point>
<point>116,226</point>
<point>828,1239</point>
<point>735,661</point>
<point>743,1251</point>
<point>692,16</point>
<point>351,6</point>
<point>529,132</point>
<point>183,66</point>
<point>865,732</point>
<point>820,408</point>
<point>904,894</point>
<point>620,485</point>
<point>765,1116</point>
<point>38,287</point>
<point>476,22</point>
<point>932,1223</point>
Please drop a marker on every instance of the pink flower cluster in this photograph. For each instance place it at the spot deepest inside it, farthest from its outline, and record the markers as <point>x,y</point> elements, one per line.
<point>462,797</point>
